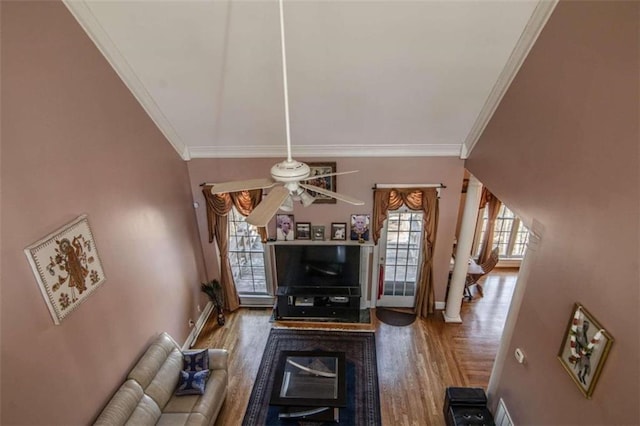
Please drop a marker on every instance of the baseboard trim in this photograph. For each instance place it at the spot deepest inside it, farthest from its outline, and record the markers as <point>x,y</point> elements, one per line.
<point>440,305</point>
<point>195,332</point>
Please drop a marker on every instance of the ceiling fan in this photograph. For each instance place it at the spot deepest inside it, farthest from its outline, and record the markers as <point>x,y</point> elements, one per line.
<point>287,177</point>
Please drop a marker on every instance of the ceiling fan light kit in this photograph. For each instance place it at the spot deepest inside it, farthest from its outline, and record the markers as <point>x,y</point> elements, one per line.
<point>290,171</point>
<point>286,176</point>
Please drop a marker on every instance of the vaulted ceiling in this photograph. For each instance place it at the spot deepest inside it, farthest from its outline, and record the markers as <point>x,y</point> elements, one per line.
<point>366,78</point>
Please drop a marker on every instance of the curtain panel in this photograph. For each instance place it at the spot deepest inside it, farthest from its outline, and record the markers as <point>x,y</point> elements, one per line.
<point>491,202</point>
<point>419,199</point>
<point>218,207</point>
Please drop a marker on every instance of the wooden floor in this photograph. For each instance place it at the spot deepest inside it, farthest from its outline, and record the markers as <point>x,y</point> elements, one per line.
<point>415,363</point>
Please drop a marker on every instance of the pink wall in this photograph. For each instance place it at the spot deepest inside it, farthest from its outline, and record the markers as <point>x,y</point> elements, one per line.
<point>562,149</point>
<point>75,141</point>
<point>446,170</point>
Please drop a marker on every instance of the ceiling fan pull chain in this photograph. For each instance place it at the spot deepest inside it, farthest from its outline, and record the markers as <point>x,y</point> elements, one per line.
<point>284,78</point>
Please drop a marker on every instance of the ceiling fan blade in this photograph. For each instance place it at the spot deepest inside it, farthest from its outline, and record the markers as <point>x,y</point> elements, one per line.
<point>330,174</point>
<point>262,214</point>
<point>241,185</point>
<point>332,194</point>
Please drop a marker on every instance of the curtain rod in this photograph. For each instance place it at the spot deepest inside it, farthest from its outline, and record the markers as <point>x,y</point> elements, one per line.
<point>408,185</point>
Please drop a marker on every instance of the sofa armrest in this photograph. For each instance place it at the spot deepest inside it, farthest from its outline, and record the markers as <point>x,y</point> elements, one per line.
<point>218,359</point>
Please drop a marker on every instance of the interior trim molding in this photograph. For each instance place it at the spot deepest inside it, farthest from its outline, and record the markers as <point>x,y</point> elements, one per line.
<point>276,151</point>
<point>200,323</point>
<point>82,13</point>
<point>527,39</point>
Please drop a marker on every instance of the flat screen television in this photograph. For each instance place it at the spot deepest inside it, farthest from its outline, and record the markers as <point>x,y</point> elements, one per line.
<point>317,265</point>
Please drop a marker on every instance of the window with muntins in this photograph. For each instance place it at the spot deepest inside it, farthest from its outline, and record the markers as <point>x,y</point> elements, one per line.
<point>246,255</point>
<point>510,235</point>
<point>402,256</point>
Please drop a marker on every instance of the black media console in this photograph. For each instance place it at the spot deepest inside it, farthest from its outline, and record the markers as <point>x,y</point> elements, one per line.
<point>318,302</point>
<point>317,280</point>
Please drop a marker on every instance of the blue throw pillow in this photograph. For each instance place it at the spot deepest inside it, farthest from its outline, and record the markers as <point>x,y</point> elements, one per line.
<point>195,360</point>
<point>192,382</point>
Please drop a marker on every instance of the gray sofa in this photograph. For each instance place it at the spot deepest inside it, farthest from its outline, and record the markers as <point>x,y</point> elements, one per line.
<point>147,396</point>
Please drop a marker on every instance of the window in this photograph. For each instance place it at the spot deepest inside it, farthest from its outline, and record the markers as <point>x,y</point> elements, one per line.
<point>510,235</point>
<point>402,253</point>
<point>246,255</point>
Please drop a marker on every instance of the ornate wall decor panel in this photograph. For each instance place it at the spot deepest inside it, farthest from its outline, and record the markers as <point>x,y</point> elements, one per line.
<point>584,349</point>
<point>67,267</point>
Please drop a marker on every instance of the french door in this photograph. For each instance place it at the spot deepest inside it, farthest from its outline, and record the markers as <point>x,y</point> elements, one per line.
<point>400,256</point>
<point>246,256</point>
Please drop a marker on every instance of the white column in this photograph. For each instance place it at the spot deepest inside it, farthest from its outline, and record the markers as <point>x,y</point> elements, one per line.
<point>463,251</point>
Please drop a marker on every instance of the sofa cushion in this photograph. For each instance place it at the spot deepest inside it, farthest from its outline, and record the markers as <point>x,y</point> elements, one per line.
<point>183,419</point>
<point>128,404</point>
<point>158,369</point>
<point>195,360</point>
<point>208,405</point>
<point>192,382</point>
<point>172,419</point>
<point>146,413</point>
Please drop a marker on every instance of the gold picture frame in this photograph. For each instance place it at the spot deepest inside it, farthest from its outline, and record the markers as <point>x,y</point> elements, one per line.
<point>584,349</point>
<point>328,182</point>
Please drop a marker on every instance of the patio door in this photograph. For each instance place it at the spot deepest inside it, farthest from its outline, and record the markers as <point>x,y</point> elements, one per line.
<point>400,255</point>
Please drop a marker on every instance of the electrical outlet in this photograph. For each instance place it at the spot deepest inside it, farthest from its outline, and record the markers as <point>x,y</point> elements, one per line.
<point>199,308</point>
<point>191,323</point>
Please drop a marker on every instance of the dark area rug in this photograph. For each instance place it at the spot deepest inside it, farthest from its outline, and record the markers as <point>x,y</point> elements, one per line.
<point>397,318</point>
<point>363,399</point>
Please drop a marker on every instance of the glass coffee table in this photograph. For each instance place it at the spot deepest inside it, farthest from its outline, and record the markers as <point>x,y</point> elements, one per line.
<point>310,385</point>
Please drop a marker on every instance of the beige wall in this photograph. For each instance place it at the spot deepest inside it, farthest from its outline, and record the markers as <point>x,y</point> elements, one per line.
<point>446,170</point>
<point>75,141</point>
<point>562,149</point>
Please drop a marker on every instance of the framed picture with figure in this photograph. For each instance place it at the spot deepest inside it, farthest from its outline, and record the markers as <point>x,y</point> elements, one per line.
<point>338,231</point>
<point>360,227</point>
<point>584,349</point>
<point>284,227</point>
<point>329,182</point>
<point>67,267</point>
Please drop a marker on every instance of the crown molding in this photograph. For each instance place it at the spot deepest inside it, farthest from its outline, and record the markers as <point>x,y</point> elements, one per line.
<point>92,27</point>
<point>277,151</point>
<point>527,39</point>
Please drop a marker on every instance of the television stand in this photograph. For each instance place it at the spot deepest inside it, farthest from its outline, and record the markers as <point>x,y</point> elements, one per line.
<point>317,302</point>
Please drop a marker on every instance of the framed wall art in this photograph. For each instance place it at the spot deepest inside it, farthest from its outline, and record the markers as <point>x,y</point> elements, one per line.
<point>303,231</point>
<point>338,231</point>
<point>284,227</point>
<point>329,182</point>
<point>584,350</point>
<point>317,233</point>
<point>67,267</point>
<point>360,227</point>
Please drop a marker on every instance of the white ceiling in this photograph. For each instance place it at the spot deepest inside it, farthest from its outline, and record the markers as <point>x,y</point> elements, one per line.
<point>366,78</point>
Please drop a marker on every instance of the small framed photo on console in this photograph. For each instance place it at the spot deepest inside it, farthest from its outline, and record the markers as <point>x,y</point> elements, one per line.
<point>360,227</point>
<point>338,231</point>
<point>317,233</point>
<point>284,227</point>
<point>303,231</point>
